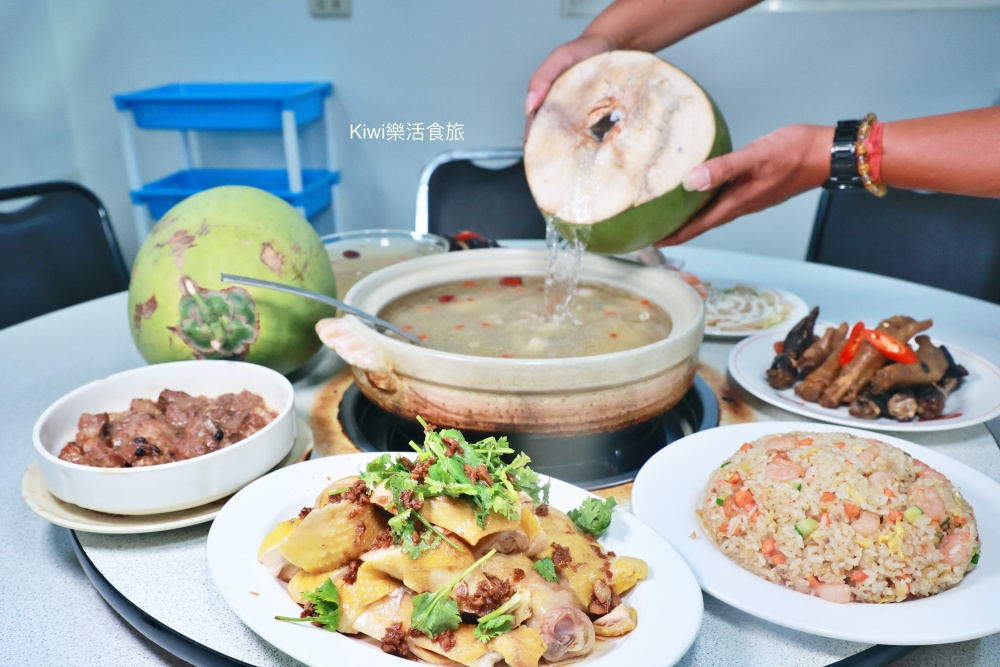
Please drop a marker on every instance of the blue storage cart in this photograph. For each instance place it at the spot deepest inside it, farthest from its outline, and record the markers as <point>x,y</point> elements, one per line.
<point>232,107</point>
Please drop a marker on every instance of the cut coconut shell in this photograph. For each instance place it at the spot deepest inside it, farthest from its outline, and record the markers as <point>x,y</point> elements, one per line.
<point>611,144</point>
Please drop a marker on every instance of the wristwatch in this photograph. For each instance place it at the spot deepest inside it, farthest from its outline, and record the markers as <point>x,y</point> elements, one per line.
<point>843,158</point>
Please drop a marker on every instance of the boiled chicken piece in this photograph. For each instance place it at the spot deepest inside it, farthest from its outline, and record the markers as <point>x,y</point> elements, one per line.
<point>369,586</point>
<point>522,647</point>
<point>537,539</point>
<point>434,568</point>
<point>566,631</point>
<point>394,608</point>
<point>332,535</point>
<point>621,621</point>
<point>269,554</point>
<point>343,483</point>
<point>582,565</point>
<point>452,514</point>
<point>461,646</point>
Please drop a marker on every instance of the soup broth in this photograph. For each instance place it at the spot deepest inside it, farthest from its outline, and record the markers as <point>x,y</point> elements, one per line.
<point>506,317</point>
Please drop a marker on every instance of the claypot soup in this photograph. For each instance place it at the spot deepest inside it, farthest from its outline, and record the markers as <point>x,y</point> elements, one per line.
<point>506,317</point>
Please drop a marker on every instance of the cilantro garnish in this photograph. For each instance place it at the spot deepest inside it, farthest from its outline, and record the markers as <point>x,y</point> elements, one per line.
<point>476,472</point>
<point>326,607</point>
<point>547,569</point>
<point>434,613</point>
<point>593,516</point>
<point>497,622</point>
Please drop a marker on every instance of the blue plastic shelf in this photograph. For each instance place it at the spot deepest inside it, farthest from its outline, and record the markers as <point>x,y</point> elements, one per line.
<point>224,106</point>
<point>161,195</point>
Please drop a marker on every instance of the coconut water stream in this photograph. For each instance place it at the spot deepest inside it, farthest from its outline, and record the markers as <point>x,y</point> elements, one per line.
<point>562,267</point>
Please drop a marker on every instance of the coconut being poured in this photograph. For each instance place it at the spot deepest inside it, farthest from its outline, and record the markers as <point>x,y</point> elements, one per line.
<point>605,158</point>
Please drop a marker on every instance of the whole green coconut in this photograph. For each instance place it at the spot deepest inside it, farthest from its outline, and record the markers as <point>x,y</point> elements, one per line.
<point>609,148</point>
<point>179,308</point>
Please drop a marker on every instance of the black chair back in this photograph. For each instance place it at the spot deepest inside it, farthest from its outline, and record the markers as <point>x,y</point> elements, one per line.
<point>462,194</point>
<point>57,249</point>
<point>947,241</point>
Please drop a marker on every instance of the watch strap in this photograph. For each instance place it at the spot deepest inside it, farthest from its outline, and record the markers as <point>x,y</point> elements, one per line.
<point>843,157</point>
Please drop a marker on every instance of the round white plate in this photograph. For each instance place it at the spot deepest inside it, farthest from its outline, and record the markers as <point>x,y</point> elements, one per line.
<point>799,310</point>
<point>977,400</point>
<point>41,501</point>
<point>671,484</point>
<point>669,601</point>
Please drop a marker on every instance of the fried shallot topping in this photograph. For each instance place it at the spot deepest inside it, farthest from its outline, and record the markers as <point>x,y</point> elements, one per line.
<point>446,640</point>
<point>359,530</point>
<point>490,593</point>
<point>357,494</point>
<point>352,571</point>
<point>383,541</point>
<point>541,509</point>
<point>304,512</point>
<point>454,446</point>
<point>560,555</point>
<point>408,501</point>
<point>478,473</point>
<point>394,641</point>
<point>420,470</point>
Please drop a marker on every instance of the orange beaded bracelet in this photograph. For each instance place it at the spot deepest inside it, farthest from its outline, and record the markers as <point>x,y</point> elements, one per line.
<point>869,155</point>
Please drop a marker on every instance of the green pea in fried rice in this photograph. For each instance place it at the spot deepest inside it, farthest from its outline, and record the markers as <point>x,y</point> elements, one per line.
<point>841,517</point>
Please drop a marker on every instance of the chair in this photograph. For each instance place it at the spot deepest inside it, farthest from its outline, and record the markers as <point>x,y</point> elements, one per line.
<point>457,192</point>
<point>57,249</point>
<point>947,241</point>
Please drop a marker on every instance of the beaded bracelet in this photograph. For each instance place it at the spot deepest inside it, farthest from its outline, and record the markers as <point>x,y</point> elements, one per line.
<point>869,155</point>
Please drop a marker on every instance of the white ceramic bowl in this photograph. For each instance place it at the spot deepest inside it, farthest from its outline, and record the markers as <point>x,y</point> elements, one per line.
<point>174,486</point>
<point>566,396</point>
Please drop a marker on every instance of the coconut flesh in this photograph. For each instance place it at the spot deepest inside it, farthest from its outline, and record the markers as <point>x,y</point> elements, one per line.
<point>612,143</point>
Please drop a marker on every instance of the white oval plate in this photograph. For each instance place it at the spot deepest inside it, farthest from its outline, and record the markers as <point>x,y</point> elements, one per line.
<point>977,400</point>
<point>40,500</point>
<point>669,602</point>
<point>669,488</point>
<point>799,310</point>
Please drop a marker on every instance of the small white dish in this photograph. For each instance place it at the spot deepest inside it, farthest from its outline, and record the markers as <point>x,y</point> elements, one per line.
<point>976,401</point>
<point>169,487</point>
<point>797,310</point>
<point>669,602</point>
<point>40,501</point>
<point>670,486</point>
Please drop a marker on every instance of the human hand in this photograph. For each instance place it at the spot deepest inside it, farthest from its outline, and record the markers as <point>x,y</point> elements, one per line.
<point>766,172</point>
<point>557,62</point>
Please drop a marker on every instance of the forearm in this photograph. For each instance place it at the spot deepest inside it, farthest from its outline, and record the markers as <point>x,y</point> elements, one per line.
<point>651,25</point>
<point>957,153</point>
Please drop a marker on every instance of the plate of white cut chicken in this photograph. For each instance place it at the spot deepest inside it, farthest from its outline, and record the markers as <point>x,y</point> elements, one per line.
<point>454,553</point>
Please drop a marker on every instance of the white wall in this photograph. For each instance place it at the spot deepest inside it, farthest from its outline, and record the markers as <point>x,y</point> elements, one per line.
<point>467,61</point>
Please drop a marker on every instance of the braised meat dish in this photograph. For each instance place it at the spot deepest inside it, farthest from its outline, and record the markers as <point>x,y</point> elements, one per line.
<point>174,427</point>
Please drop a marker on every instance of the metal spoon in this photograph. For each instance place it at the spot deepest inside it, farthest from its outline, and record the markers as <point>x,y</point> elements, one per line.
<point>316,296</point>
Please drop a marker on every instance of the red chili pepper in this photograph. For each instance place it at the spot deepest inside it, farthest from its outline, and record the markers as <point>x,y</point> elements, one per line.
<point>511,281</point>
<point>779,347</point>
<point>446,298</point>
<point>467,235</point>
<point>890,347</point>
<point>852,344</point>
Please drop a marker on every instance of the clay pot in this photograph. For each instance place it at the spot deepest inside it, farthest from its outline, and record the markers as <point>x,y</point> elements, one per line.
<point>559,397</point>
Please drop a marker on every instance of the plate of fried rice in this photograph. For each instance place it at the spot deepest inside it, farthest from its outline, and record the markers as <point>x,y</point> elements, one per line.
<point>838,532</point>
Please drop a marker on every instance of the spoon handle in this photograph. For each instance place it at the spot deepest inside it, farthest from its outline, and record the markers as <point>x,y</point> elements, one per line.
<point>316,296</point>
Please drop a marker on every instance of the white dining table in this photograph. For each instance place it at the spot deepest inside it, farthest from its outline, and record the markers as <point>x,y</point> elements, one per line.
<point>52,614</point>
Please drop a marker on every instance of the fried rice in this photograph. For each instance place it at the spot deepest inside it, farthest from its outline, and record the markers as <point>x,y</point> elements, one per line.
<point>841,517</point>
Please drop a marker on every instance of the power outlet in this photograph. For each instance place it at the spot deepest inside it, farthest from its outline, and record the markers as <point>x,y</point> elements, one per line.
<point>330,8</point>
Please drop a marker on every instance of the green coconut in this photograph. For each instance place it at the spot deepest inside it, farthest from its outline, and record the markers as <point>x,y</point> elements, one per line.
<point>612,143</point>
<point>180,309</point>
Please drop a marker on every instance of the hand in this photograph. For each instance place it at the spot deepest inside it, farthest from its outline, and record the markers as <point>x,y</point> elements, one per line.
<point>560,60</point>
<point>766,172</point>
